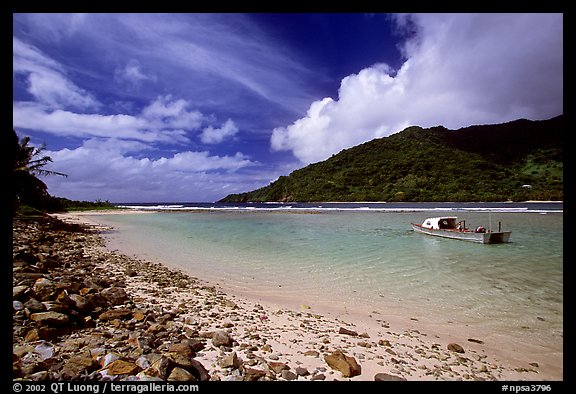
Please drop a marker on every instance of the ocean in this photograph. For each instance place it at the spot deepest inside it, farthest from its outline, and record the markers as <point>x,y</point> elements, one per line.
<point>365,256</point>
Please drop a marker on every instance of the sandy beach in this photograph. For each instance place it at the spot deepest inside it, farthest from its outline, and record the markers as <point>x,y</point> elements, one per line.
<point>241,335</point>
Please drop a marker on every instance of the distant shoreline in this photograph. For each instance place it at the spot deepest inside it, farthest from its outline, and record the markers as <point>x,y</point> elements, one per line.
<point>343,202</point>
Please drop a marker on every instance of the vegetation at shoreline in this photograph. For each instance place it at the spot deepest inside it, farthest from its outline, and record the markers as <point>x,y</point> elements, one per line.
<point>28,194</point>
<point>515,161</point>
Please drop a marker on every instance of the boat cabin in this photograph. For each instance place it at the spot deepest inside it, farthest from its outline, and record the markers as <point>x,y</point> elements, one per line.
<point>440,223</point>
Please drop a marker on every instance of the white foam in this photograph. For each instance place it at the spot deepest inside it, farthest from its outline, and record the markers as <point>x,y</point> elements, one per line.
<point>321,208</point>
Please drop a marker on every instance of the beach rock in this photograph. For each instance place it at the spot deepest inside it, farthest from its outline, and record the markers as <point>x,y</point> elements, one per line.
<point>311,353</point>
<point>180,375</point>
<point>72,286</point>
<point>454,347</point>
<point>26,257</point>
<point>142,341</point>
<point>179,360</point>
<point>277,366</point>
<point>114,314</point>
<point>80,303</point>
<point>130,272</point>
<point>33,305</point>
<point>159,366</point>
<point>115,295</point>
<point>196,344</point>
<point>18,292</point>
<point>44,351</point>
<point>301,371</point>
<point>386,377</point>
<point>32,335</point>
<point>345,331</point>
<point>230,360</point>
<point>182,348</point>
<point>44,289</point>
<point>197,369</point>
<point>289,375</point>
<point>230,304</point>
<point>78,365</point>
<point>121,367</point>
<point>253,374</point>
<point>139,315</point>
<point>347,365</point>
<point>221,338</point>
<point>50,318</point>
<point>156,329</point>
<point>64,301</point>
<point>107,359</point>
<point>95,300</point>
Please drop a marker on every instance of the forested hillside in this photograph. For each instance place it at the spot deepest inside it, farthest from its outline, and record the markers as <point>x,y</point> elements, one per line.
<point>519,160</point>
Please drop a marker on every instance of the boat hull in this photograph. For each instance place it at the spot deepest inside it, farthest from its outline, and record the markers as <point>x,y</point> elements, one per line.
<point>482,238</point>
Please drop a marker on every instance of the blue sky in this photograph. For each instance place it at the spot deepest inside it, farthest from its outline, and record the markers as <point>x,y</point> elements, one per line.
<point>192,107</point>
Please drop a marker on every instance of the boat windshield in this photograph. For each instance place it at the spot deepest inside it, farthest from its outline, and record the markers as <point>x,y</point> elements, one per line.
<point>447,223</point>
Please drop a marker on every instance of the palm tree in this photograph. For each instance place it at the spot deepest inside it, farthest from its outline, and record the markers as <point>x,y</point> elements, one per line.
<point>27,165</point>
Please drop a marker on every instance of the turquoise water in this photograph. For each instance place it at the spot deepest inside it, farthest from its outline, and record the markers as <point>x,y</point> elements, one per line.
<point>372,260</point>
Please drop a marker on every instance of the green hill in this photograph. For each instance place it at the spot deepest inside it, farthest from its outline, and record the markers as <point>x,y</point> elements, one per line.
<point>519,160</point>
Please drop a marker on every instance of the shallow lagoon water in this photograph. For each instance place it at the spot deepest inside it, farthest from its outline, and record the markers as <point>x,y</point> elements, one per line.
<point>370,259</point>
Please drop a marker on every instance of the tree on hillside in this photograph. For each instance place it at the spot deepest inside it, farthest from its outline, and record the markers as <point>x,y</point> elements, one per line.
<point>27,164</point>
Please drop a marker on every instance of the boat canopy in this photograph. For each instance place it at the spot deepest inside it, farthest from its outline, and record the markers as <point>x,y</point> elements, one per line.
<point>442,222</point>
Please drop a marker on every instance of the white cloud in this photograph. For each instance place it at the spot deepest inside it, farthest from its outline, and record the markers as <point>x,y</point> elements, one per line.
<point>163,120</point>
<point>459,70</point>
<point>47,80</point>
<point>210,135</point>
<point>65,123</point>
<point>104,169</point>
<point>172,113</point>
<point>202,161</point>
<point>132,74</point>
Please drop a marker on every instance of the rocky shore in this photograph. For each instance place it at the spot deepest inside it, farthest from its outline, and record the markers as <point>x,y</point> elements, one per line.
<point>83,312</point>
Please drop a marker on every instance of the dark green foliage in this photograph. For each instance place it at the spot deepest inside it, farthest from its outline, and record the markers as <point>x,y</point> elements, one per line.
<point>476,163</point>
<point>64,204</point>
<point>26,165</point>
<point>28,194</point>
<point>59,204</point>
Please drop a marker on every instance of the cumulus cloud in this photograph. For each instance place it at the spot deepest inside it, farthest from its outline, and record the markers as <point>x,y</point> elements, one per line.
<point>211,135</point>
<point>119,176</point>
<point>47,80</point>
<point>458,70</point>
<point>115,160</point>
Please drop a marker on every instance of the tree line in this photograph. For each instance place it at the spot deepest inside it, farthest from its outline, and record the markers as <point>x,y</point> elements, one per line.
<point>27,193</point>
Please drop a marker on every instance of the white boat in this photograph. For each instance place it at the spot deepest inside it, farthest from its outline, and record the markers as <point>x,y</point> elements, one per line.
<point>447,227</point>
